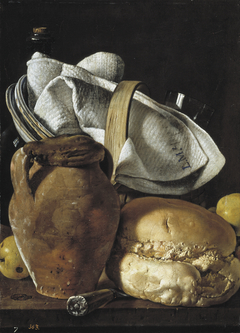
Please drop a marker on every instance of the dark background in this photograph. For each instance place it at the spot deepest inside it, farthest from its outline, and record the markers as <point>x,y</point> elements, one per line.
<point>187,46</point>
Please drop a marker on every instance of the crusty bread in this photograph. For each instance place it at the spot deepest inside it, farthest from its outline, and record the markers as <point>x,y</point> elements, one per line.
<point>174,252</point>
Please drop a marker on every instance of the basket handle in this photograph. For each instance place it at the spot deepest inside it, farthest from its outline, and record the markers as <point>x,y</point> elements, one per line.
<point>116,131</point>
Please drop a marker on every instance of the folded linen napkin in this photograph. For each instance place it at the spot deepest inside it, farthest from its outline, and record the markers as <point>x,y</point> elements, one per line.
<point>165,152</point>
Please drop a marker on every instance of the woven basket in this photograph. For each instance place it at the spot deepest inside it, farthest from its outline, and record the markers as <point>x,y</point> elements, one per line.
<point>27,125</point>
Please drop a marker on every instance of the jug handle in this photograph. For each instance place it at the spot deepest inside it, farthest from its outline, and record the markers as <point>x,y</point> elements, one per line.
<point>19,168</point>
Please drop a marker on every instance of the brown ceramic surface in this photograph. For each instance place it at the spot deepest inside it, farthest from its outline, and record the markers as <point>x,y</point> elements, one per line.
<point>64,219</point>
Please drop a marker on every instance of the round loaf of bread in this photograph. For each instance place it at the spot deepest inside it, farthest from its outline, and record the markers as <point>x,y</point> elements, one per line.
<point>174,252</point>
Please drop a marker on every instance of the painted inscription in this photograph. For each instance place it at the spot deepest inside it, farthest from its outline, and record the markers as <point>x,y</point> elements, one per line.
<point>180,156</point>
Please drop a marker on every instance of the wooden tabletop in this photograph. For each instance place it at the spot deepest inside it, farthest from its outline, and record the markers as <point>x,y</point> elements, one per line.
<point>22,306</point>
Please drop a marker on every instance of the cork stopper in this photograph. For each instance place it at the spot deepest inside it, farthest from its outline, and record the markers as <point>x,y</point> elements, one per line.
<point>40,30</point>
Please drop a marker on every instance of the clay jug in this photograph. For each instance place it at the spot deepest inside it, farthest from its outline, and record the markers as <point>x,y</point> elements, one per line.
<point>64,213</point>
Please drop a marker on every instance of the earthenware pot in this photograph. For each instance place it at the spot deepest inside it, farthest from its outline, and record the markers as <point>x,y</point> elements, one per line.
<point>64,213</point>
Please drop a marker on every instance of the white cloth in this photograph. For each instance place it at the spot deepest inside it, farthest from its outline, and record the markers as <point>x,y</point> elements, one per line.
<point>165,153</point>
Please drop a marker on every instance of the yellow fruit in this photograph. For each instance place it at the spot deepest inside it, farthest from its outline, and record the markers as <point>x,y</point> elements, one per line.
<point>228,207</point>
<point>212,209</point>
<point>11,263</point>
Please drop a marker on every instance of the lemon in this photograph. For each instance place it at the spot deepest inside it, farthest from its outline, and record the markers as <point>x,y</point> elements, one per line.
<point>212,209</point>
<point>228,207</point>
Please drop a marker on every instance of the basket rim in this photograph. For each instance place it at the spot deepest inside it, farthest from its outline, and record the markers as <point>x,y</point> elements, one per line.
<point>19,124</point>
<point>29,117</point>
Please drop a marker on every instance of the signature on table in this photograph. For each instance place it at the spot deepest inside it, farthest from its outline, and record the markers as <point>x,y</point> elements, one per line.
<point>31,327</point>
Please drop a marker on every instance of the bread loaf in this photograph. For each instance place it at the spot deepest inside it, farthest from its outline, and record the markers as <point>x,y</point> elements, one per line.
<point>174,252</point>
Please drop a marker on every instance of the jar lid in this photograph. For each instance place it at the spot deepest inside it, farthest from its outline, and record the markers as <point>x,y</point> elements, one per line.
<point>65,151</point>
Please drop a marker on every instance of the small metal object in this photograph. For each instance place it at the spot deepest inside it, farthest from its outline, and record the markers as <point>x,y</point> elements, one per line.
<point>77,306</point>
<point>83,304</point>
